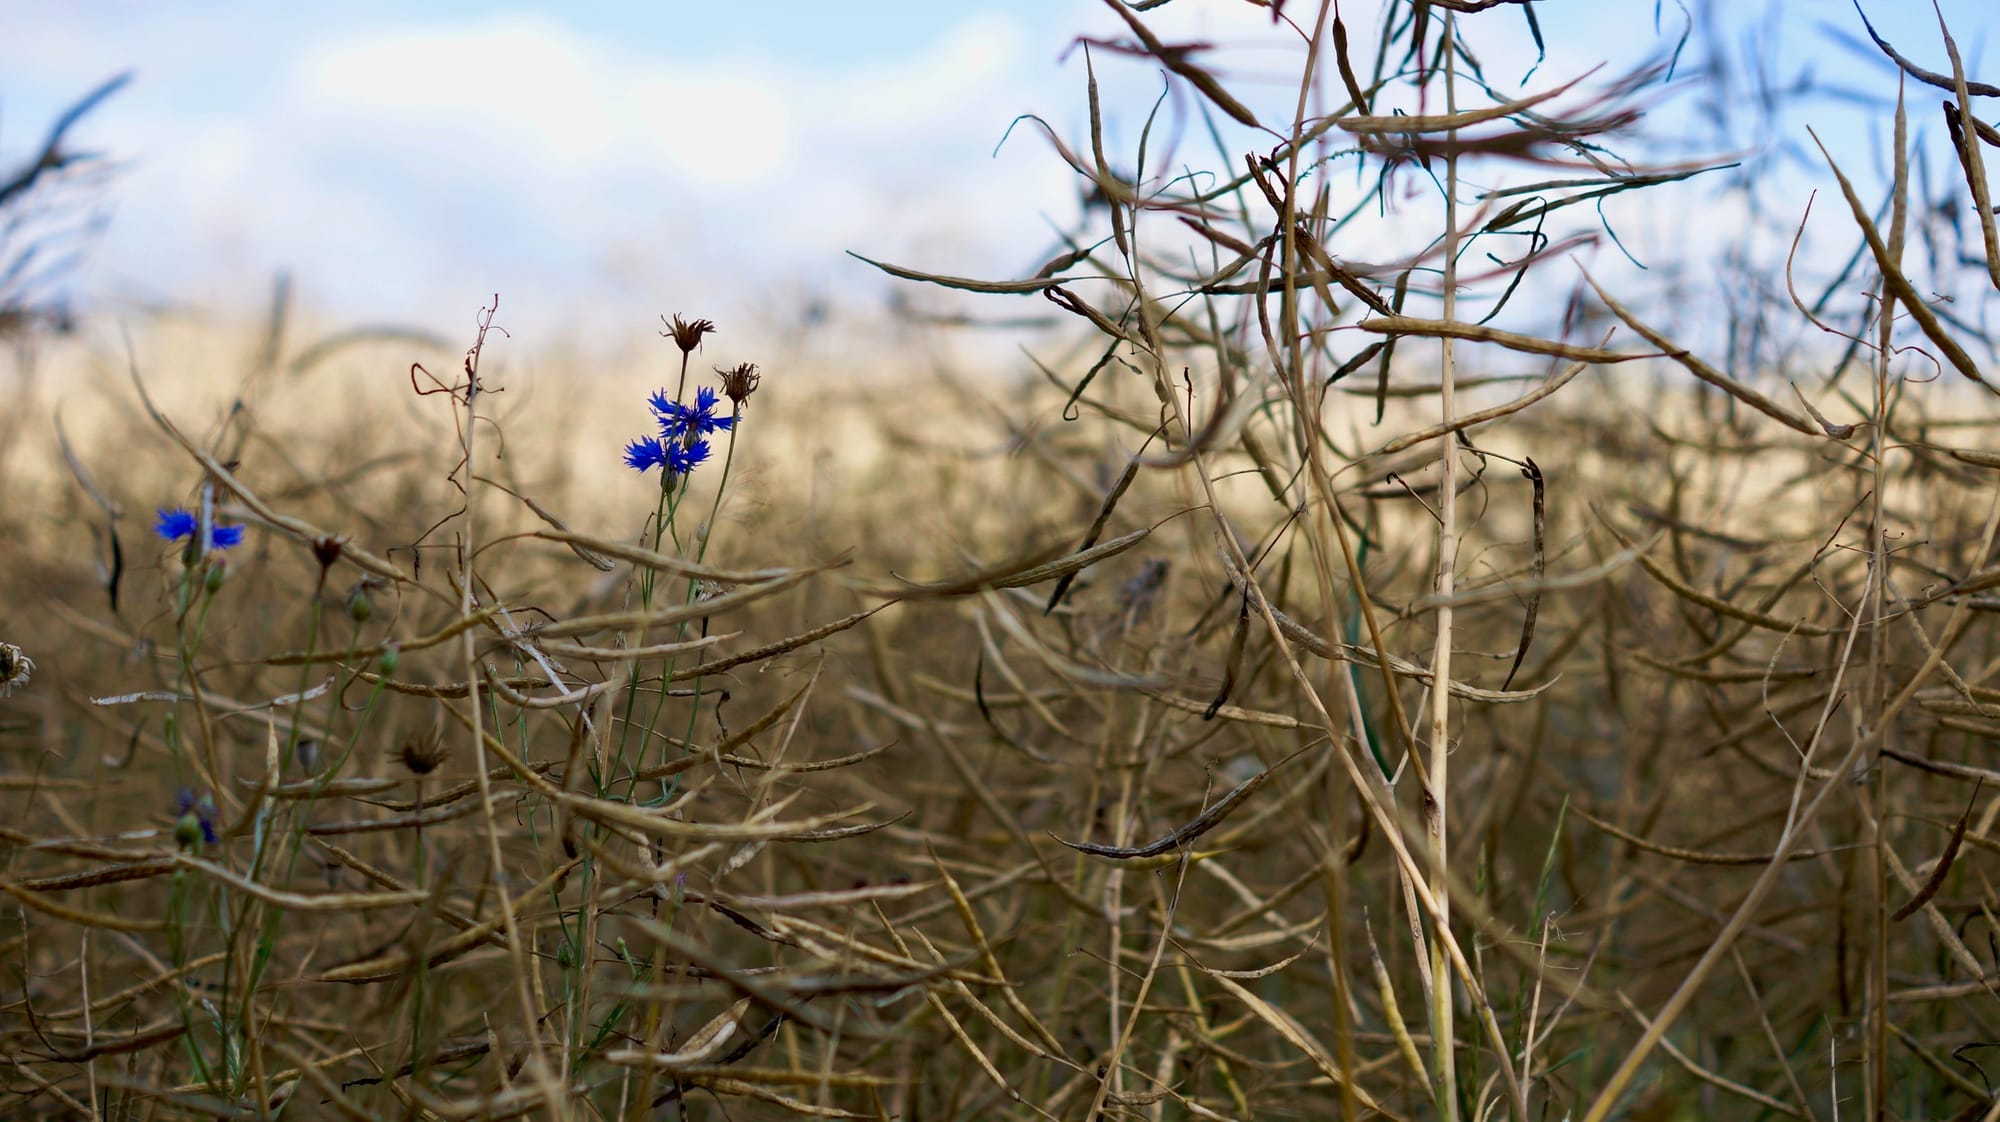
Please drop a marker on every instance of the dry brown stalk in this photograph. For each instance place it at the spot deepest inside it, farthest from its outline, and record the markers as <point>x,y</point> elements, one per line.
<point>1311,641</point>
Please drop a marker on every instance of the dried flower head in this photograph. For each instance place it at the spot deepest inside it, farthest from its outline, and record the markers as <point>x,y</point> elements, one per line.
<point>710,589</point>
<point>422,751</point>
<point>686,336</point>
<point>15,668</point>
<point>326,550</point>
<point>739,382</point>
<point>181,523</point>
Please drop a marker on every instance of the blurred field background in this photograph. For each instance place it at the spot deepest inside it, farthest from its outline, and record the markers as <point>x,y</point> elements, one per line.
<point>1372,563</point>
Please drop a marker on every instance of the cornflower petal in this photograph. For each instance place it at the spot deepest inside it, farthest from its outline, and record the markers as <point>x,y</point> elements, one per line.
<point>682,458</point>
<point>705,401</point>
<point>678,419</point>
<point>644,454</point>
<point>179,523</point>
<point>175,524</point>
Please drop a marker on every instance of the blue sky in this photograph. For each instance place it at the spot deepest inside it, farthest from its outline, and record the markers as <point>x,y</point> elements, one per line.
<point>599,163</point>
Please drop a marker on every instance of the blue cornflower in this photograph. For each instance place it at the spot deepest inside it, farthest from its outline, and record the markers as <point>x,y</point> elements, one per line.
<point>677,420</point>
<point>682,456</point>
<point>176,524</point>
<point>180,522</point>
<point>677,457</point>
<point>194,818</point>
<point>645,454</point>
<point>679,448</point>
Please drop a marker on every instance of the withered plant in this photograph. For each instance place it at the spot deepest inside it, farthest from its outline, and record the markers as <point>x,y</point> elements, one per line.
<point>1357,673</point>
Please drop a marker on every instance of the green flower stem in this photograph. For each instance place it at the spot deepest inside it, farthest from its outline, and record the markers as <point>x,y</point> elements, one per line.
<point>701,554</point>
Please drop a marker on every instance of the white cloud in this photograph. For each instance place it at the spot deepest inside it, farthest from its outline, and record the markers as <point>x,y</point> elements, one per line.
<point>719,129</point>
<point>550,103</point>
<point>519,75</point>
<point>964,66</point>
<point>220,154</point>
<point>406,169</point>
<point>595,164</point>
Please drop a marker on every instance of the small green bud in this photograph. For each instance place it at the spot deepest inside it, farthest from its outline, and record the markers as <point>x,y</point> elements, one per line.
<point>359,606</point>
<point>390,657</point>
<point>187,832</point>
<point>194,820</point>
<point>217,573</point>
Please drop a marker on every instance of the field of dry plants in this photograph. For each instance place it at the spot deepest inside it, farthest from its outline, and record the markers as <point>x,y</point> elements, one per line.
<point>1426,688</point>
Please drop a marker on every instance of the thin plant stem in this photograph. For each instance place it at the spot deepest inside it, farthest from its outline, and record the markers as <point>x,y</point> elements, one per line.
<point>1444,1058</point>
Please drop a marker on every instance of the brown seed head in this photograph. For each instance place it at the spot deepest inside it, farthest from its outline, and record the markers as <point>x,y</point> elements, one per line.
<point>422,752</point>
<point>687,336</point>
<point>326,550</point>
<point>15,668</point>
<point>738,383</point>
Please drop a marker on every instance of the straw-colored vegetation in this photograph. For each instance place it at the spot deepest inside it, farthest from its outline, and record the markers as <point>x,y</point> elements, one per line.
<point>1300,698</point>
